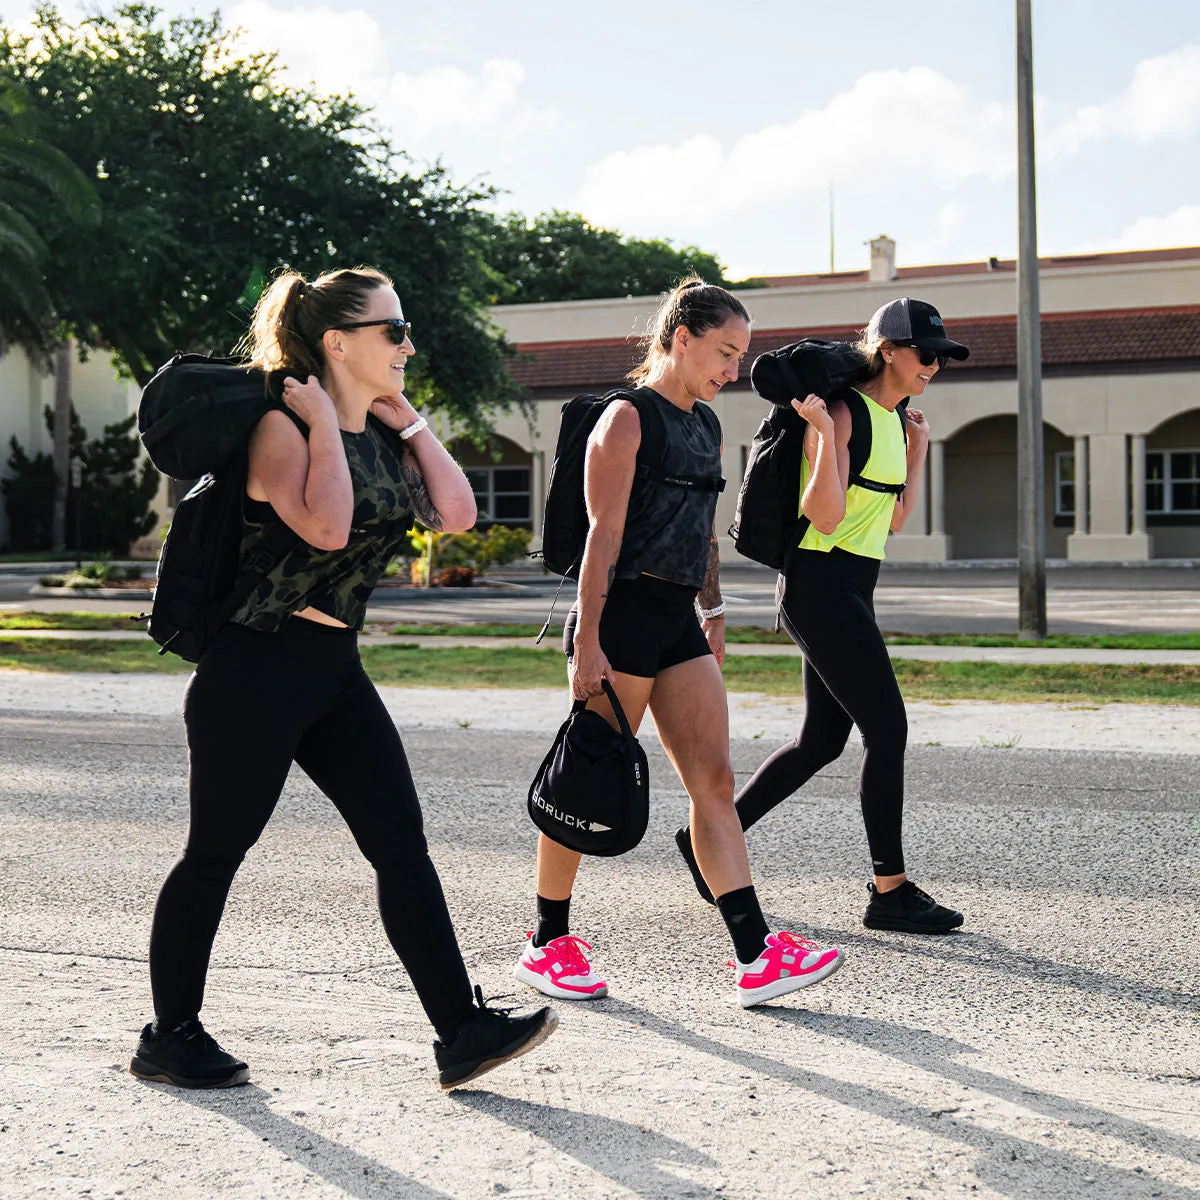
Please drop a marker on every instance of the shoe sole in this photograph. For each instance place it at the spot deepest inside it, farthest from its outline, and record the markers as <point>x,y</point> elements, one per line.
<point>793,983</point>
<point>543,985</point>
<point>140,1069</point>
<point>912,926</point>
<point>547,1027</point>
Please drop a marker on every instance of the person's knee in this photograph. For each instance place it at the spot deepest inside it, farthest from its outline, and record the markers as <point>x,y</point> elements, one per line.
<point>207,867</point>
<point>824,745</point>
<point>397,855</point>
<point>712,785</point>
<point>888,736</point>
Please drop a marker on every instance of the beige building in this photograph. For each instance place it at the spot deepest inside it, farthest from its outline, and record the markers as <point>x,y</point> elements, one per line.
<point>1121,398</point>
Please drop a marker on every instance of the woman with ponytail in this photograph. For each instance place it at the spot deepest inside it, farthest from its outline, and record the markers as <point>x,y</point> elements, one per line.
<point>649,619</point>
<point>346,467</point>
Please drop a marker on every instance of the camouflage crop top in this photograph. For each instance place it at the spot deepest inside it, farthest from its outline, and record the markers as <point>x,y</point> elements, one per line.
<point>336,582</point>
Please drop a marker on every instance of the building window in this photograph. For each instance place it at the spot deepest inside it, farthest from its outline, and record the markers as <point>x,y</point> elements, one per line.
<point>1173,482</point>
<point>502,494</point>
<point>1064,483</point>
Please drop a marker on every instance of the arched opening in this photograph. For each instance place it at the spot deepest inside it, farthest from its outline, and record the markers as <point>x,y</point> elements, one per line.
<point>502,480</point>
<point>981,489</point>
<point>1173,486</point>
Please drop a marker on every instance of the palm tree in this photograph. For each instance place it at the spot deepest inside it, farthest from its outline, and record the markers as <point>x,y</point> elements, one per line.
<point>29,168</point>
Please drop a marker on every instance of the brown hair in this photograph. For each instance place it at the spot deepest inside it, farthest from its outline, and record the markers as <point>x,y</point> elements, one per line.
<point>872,350</point>
<point>292,315</point>
<point>694,304</point>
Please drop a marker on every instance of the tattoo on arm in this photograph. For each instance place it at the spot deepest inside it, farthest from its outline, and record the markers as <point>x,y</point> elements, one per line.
<point>710,593</point>
<point>418,494</point>
<point>612,571</point>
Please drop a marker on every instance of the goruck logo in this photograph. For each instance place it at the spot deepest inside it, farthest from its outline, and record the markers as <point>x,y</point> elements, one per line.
<point>567,819</point>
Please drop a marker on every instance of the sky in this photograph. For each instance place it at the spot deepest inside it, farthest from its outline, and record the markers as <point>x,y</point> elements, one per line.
<point>726,126</point>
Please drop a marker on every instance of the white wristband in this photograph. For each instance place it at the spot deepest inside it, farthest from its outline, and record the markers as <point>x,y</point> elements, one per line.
<point>413,429</point>
<point>709,613</point>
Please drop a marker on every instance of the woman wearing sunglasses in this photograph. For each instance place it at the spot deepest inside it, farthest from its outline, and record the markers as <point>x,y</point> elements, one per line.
<point>346,469</point>
<point>827,604</point>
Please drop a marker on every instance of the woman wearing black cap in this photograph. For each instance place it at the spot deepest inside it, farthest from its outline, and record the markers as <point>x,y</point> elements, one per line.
<point>827,604</point>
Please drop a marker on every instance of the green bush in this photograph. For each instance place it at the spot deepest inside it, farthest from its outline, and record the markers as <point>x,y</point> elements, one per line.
<point>113,505</point>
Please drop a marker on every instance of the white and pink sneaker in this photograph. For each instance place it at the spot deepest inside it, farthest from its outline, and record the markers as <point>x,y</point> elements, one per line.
<point>787,963</point>
<point>560,968</point>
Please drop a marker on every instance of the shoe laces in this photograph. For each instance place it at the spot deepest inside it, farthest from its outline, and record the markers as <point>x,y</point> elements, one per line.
<point>486,1006</point>
<point>569,949</point>
<point>797,942</point>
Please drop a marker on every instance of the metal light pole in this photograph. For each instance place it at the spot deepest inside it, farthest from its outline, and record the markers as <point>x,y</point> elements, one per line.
<point>1031,527</point>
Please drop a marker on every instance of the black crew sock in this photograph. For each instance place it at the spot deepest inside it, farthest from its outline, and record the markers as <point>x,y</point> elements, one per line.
<point>745,922</point>
<point>553,920</point>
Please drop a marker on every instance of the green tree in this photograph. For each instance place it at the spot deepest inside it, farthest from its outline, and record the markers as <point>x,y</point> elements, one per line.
<point>213,172</point>
<point>32,172</point>
<point>113,505</point>
<point>562,256</point>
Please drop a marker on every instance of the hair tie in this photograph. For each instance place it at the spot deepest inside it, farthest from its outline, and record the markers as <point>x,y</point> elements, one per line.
<point>302,290</point>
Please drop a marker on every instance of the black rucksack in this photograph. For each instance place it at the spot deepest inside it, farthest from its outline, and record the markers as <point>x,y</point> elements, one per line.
<point>565,524</point>
<point>810,366</point>
<point>592,791</point>
<point>767,521</point>
<point>195,419</point>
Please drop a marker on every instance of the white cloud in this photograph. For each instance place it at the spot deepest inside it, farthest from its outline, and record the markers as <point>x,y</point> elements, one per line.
<point>1161,101</point>
<point>346,52</point>
<point>690,184</point>
<point>1178,228</point>
<point>845,142</point>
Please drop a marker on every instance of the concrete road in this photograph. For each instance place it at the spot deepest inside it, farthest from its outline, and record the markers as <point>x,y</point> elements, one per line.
<point>1052,1049</point>
<point>909,600</point>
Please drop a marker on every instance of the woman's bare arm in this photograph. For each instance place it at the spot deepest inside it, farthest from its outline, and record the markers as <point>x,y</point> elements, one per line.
<point>827,448</point>
<point>607,479</point>
<point>307,481</point>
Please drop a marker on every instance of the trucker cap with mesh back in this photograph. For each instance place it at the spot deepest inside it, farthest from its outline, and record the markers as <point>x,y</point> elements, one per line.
<point>909,322</point>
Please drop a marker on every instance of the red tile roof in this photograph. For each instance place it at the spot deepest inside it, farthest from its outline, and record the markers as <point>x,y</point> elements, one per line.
<point>1146,339</point>
<point>934,270</point>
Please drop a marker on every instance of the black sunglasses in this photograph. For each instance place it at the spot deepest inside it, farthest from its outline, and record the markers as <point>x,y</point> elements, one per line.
<point>397,329</point>
<point>928,357</point>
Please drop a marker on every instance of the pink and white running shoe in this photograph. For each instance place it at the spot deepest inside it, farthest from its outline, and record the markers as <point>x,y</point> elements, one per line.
<point>560,968</point>
<point>787,963</point>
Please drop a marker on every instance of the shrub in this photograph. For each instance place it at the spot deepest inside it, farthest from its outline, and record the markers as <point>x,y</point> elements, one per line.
<point>113,506</point>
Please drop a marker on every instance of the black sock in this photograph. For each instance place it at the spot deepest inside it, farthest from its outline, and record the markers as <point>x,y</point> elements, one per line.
<point>553,918</point>
<point>745,922</point>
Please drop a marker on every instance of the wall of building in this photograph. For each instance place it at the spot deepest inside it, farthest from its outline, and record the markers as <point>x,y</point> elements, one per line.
<point>100,397</point>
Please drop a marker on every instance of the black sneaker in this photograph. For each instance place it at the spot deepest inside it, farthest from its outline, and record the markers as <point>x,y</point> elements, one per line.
<point>683,839</point>
<point>488,1038</point>
<point>909,910</point>
<point>187,1057</point>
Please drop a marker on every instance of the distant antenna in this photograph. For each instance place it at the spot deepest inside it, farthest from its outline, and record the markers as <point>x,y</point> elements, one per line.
<point>831,266</point>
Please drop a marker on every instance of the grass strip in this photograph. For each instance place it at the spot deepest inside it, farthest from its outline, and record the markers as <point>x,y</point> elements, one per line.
<point>757,635</point>
<point>517,667</point>
<point>67,620</point>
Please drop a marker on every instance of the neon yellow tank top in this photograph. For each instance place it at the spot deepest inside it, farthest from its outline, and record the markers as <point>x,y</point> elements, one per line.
<point>864,528</point>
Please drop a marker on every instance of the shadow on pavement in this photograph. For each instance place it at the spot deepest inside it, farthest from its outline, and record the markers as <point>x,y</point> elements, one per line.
<point>965,948</point>
<point>345,1168</point>
<point>629,1155</point>
<point>1014,1166</point>
<point>934,1053</point>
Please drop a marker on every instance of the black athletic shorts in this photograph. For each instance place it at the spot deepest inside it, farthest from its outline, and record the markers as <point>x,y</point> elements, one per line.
<point>647,625</point>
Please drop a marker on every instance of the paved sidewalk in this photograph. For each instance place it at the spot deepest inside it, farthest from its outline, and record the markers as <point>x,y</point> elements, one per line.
<point>1011,654</point>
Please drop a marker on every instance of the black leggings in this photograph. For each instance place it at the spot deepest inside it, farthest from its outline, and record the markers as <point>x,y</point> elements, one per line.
<point>828,610</point>
<point>256,703</point>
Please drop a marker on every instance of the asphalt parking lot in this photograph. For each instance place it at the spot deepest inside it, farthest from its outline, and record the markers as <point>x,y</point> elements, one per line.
<point>1049,1050</point>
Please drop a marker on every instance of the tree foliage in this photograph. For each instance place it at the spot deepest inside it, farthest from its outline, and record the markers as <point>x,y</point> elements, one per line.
<point>214,172</point>
<point>33,173</point>
<point>114,505</point>
<point>562,256</point>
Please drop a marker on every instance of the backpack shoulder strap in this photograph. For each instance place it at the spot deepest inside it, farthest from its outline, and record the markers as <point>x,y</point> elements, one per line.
<point>861,434</point>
